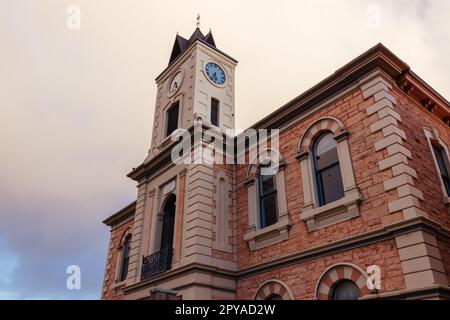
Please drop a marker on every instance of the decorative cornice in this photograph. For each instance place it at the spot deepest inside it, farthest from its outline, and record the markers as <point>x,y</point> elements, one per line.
<point>121,215</point>
<point>424,94</point>
<point>378,57</point>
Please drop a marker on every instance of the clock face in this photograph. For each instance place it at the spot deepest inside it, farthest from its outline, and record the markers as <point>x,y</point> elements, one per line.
<point>176,82</point>
<point>215,73</point>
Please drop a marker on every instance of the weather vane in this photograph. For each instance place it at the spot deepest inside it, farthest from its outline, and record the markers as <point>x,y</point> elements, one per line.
<point>198,20</point>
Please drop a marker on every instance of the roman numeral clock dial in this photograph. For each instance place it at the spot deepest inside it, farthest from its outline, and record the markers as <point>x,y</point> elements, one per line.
<point>215,73</point>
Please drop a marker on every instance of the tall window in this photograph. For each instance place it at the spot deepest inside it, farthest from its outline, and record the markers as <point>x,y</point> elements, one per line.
<point>172,118</point>
<point>215,112</point>
<point>168,223</point>
<point>441,158</point>
<point>327,170</point>
<point>126,248</point>
<point>267,200</point>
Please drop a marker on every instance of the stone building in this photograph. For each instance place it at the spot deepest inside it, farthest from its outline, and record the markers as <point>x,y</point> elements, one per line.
<point>358,208</point>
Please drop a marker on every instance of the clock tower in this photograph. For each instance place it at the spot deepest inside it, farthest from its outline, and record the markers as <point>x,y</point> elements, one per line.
<point>184,218</point>
<point>197,83</point>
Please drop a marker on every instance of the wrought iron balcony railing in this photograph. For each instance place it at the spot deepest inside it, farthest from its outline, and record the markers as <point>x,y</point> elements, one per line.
<point>156,263</point>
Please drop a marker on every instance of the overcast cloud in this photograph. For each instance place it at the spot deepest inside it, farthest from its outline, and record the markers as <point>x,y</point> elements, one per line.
<point>76,107</point>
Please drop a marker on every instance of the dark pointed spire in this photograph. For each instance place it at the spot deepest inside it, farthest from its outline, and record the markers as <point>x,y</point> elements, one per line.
<point>210,39</point>
<point>181,44</point>
<point>196,35</point>
<point>178,47</point>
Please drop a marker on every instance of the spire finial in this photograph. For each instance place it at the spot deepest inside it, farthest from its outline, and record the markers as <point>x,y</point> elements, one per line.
<point>198,20</point>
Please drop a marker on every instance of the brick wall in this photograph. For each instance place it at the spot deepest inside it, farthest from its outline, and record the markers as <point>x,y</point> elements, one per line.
<point>415,118</point>
<point>302,278</point>
<point>351,110</point>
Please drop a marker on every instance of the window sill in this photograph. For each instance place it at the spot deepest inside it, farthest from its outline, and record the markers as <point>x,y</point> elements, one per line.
<point>166,142</point>
<point>118,285</point>
<point>270,235</point>
<point>332,213</point>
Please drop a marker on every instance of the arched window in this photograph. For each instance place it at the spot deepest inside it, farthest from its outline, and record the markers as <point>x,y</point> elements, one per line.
<point>345,290</point>
<point>441,157</point>
<point>267,197</point>
<point>330,192</point>
<point>267,201</point>
<point>342,282</point>
<point>274,290</point>
<point>327,169</point>
<point>126,248</point>
<point>168,223</point>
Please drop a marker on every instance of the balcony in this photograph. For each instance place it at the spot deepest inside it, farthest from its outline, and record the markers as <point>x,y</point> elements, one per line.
<point>156,263</point>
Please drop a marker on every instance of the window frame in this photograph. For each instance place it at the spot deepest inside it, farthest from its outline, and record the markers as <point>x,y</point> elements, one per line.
<point>346,208</point>
<point>320,190</point>
<point>263,196</point>
<point>256,236</point>
<point>215,102</point>
<point>175,104</point>
<point>442,166</point>
<point>434,141</point>
<point>125,258</point>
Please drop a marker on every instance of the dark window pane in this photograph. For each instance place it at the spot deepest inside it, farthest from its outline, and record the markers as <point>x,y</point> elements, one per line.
<point>215,112</point>
<point>346,290</point>
<point>267,184</point>
<point>327,159</point>
<point>172,118</point>
<point>447,184</point>
<point>168,223</point>
<point>328,171</point>
<point>325,143</point>
<point>269,209</point>
<point>125,258</point>
<point>439,155</point>
<point>267,200</point>
<point>332,188</point>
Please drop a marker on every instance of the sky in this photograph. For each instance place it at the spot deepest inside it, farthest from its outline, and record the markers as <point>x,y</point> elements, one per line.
<point>76,105</point>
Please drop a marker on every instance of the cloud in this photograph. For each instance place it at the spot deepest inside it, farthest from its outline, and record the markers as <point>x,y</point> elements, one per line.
<point>76,107</point>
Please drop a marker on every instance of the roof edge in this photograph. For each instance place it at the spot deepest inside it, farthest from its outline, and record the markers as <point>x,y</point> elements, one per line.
<point>377,56</point>
<point>121,215</point>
